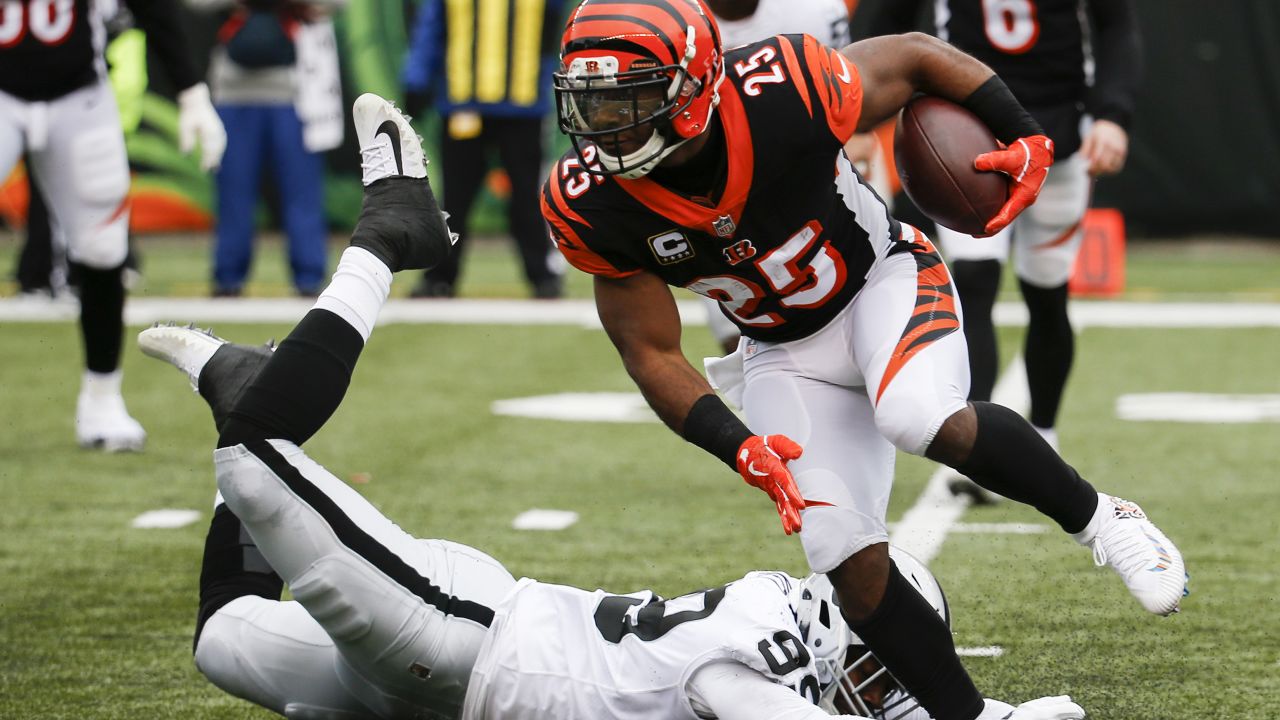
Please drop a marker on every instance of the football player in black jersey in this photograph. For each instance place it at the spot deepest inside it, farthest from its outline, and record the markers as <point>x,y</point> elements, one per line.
<point>724,174</point>
<point>1042,49</point>
<point>56,105</point>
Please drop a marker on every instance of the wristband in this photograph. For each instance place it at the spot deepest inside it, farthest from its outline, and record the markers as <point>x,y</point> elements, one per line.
<point>996,106</point>
<point>712,426</point>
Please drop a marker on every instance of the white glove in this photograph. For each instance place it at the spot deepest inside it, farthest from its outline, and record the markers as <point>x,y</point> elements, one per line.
<point>1058,707</point>
<point>197,120</point>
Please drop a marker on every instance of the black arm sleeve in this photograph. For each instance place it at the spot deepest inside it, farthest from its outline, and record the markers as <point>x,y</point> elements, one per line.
<point>712,426</point>
<point>995,105</point>
<point>1118,54</point>
<point>161,22</point>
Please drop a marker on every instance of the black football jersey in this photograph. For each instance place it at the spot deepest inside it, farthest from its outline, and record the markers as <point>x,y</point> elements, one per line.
<point>794,232</point>
<point>1041,48</point>
<point>50,47</point>
<point>1036,46</point>
<point>47,47</point>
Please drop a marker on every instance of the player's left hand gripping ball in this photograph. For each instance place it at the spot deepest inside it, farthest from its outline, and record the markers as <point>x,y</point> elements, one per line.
<point>1026,161</point>
<point>762,461</point>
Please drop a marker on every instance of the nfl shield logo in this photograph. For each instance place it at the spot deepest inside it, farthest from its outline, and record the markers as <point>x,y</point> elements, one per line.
<point>725,226</point>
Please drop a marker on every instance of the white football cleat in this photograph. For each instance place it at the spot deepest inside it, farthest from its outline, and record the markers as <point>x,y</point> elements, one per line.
<point>184,347</point>
<point>102,422</point>
<point>1150,565</point>
<point>1058,707</point>
<point>389,145</point>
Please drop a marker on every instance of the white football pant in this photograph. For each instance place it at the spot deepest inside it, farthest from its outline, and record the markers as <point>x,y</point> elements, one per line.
<point>392,624</point>
<point>1045,237</point>
<point>886,372</point>
<point>78,159</point>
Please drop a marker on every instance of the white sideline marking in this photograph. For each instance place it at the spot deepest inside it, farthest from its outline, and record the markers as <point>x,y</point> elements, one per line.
<point>582,313</point>
<point>993,528</point>
<point>1000,528</point>
<point>1199,408</point>
<point>614,407</point>
<point>540,519</point>
<point>991,651</point>
<point>165,519</point>
<point>924,527</point>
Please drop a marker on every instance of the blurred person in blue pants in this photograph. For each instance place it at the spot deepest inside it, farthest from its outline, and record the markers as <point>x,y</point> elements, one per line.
<point>277,89</point>
<point>489,76</point>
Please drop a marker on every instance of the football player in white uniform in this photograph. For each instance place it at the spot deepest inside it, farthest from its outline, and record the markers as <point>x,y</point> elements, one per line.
<point>387,625</point>
<point>56,105</point>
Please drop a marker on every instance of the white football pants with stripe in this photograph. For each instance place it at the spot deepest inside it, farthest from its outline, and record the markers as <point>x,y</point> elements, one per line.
<point>885,373</point>
<point>384,624</point>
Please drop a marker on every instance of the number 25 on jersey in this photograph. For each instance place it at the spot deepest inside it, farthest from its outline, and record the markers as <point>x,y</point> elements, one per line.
<point>805,286</point>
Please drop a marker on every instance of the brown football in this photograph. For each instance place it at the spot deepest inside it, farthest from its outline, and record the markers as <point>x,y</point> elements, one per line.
<point>935,145</point>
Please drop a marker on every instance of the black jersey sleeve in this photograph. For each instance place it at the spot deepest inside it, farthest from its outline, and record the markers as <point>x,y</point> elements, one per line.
<point>574,236</point>
<point>161,22</point>
<point>827,82</point>
<point>1118,54</point>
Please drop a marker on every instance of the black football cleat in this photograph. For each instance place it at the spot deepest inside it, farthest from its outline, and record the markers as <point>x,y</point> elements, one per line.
<point>400,221</point>
<point>219,370</point>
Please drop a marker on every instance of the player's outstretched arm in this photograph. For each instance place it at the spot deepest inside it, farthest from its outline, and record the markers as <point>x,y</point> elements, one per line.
<point>639,314</point>
<point>198,122</point>
<point>895,67</point>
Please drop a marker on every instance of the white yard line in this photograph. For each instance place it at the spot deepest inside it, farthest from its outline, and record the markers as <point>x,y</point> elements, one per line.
<point>543,519</point>
<point>990,651</point>
<point>582,313</point>
<point>923,528</point>
<point>165,519</point>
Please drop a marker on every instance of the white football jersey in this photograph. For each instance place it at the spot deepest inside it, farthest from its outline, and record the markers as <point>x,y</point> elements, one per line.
<point>561,652</point>
<point>826,20</point>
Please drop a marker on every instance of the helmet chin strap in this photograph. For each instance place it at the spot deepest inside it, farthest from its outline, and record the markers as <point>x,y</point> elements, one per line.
<point>654,151</point>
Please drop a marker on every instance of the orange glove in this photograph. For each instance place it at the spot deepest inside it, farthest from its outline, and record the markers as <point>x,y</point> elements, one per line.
<point>762,461</point>
<point>1026,162</point>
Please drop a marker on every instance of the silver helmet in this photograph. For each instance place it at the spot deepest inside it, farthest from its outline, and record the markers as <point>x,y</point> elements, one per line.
<point>846,667</point>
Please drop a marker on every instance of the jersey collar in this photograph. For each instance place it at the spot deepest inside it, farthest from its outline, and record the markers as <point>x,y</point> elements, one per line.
<point>686,212</point>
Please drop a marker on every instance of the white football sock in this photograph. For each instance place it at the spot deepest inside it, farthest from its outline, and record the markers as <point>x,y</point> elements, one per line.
<point>99,384</point>
<point>359,287</point>
<point>1085,536</point>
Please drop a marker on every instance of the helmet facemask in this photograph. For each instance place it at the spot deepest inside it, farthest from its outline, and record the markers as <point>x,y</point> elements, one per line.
<point>851,680</point>
<point>629,116</point>
<point>860,676</point>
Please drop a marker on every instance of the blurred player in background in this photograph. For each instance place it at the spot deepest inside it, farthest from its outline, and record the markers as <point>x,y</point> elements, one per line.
<point>746,21</point>
<point>277,87</point>
<point>56,105</point>
<point>485,67</point>
<point>724,174</point>
<point>386,625</point>
<point>1075,65</point>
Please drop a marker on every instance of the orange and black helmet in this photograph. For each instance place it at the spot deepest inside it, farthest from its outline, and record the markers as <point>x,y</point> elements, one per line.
<point>637,79</point>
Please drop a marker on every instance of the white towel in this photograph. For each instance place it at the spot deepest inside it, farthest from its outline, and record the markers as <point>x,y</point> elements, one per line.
<point>319,81</point>
<point>726,375</point>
